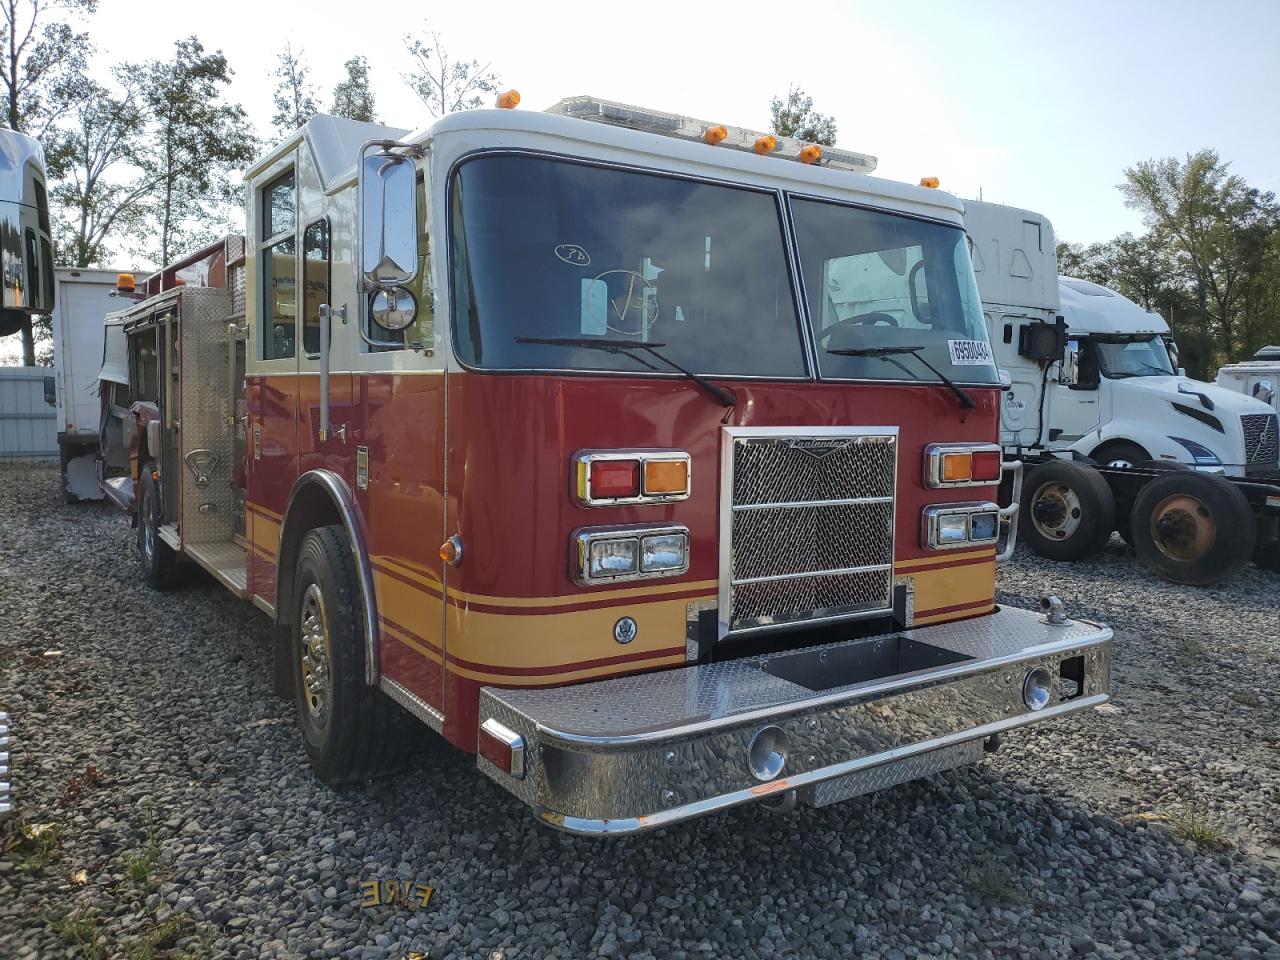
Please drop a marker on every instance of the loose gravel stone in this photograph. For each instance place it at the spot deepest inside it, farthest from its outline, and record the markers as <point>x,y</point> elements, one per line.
<point>149,737</point>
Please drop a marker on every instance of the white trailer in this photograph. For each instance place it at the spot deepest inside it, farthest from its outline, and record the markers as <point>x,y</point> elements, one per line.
<point>1115,436</point>
<point>84,297</point>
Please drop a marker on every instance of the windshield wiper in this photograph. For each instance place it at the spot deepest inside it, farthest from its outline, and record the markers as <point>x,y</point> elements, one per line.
<point>966,401</point>
<point>722,395</point>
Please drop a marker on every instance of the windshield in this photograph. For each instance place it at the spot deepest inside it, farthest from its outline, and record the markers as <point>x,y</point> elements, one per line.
<point>1146,357</point>
<point>876,280</point>
<point>554,249</point>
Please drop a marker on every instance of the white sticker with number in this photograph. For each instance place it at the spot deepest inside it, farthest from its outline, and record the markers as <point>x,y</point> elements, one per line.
<point>970,353</point>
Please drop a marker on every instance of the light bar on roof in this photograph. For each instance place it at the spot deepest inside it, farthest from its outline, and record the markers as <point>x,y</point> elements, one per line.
<point>690,128</point>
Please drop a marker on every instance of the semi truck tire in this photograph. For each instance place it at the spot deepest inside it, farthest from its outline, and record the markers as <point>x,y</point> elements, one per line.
<point>1192,528</point>
<point>1266,549</point>
<point>1068,512</point>
<point>1120,453</point>
<point>159,561</point>
<point>1125,510</point>
<point>351,731</point>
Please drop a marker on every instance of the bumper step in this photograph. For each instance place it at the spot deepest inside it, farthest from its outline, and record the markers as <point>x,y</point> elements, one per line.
<point>638,752</point>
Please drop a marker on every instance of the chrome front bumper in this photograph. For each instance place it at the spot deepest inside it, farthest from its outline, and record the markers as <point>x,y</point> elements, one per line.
<point>635,753</point>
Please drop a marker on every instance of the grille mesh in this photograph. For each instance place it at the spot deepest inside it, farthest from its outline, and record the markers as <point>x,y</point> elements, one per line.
<point>821,536</point>
<point>1261,438</point>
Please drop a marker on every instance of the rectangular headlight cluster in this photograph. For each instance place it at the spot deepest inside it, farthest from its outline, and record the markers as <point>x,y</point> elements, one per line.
<point>962,465</point>
<point>946,526</point>
<point>605,478</point>
<point>611,554</point>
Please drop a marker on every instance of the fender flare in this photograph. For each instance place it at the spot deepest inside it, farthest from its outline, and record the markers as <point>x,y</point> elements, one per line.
<point>344,504</point>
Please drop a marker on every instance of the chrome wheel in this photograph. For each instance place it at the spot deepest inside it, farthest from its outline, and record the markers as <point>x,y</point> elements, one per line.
<point>1055,511</point>
<point>314,650</point>
<point>148,534</point>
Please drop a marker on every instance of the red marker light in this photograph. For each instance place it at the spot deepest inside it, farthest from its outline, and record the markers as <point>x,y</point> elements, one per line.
<point>615,478</point>
<point>987,465</point>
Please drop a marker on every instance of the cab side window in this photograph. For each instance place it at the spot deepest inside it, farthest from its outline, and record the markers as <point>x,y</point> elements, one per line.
<point>315,281</point>
<point>279,268</point>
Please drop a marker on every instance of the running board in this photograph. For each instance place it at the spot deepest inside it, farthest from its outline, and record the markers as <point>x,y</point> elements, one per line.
<point>224,561</point>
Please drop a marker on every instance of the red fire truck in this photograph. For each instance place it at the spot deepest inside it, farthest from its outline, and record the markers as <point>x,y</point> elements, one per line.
<point>651,460</point>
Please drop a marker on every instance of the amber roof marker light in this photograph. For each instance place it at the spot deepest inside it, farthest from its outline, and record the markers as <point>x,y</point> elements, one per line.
<point>508,99</point>
<point>931,182</point>
<point>810,153</point>
<point>715,135</point>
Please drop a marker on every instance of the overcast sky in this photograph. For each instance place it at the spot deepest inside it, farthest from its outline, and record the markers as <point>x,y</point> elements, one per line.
<point>1036,104</point>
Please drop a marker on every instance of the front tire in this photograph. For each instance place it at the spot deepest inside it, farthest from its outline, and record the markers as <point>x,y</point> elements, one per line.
<point>1192,528</point>
<point>159,561</point>
<point>350,730</point>
<point>1069,512</point>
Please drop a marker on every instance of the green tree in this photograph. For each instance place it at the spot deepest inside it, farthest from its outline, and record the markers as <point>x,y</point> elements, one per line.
<point>352,97</point>
<point>795,117</point>
<point>444,84</point>
<point>95,198</point>
<point>295,95</point>
<point>193,143</point>
<point>42,69</point>
<point>1203,214</point>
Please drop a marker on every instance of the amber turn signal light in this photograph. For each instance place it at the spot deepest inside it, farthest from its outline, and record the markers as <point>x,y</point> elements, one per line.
<point>509,100</point>
<point>715,135</point>
<point>666,477</point>
<point>957,467</point>
<point>451,551</point>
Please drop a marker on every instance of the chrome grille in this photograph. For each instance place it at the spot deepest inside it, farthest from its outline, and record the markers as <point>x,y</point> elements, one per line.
<point>806,525</point>
<point>1261,438</point>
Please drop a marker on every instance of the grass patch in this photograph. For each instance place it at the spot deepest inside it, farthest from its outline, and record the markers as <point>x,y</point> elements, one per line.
<point>81,929</point>
<point>140,866</point>
<point>1246,698</point>
<point>991,881</point>
<point>159,938</point>
<point>1188,650</point>
<point>1199,830</point>
<point>34,845</point>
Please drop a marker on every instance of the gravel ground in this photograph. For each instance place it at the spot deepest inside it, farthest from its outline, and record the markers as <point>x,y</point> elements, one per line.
<point>166,809</point>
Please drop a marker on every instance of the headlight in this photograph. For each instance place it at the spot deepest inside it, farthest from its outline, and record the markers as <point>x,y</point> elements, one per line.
<point>1201,454</point>
<point>946,526</point>
<point>639,552</point>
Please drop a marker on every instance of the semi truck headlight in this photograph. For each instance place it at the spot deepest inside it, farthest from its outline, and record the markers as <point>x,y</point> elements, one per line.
<point>946,526</point>
<point>1201,454</point>
<point>1037,689</point>
<point>635,552</point>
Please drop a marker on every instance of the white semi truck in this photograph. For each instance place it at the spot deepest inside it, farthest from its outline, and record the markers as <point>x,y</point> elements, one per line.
<point>1258,378</point>
<point>1114,436</point>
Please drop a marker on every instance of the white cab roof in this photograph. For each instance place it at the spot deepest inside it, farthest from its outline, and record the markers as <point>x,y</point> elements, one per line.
<point>1092,308</point>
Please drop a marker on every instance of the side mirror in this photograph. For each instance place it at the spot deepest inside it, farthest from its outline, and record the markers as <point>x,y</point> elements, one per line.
<point>1264,390</point>
<point>1174,353</point>
<point>1070,374</point>
<point>388,205</point>
<point>1006,379</point>
<point>51,392</point>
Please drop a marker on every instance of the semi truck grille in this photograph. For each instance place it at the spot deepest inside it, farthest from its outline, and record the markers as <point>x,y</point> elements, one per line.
<point>1261,438</point>
<point>806,526</point>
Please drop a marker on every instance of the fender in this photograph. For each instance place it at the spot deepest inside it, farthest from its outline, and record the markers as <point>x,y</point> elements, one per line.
<point>299,517</point>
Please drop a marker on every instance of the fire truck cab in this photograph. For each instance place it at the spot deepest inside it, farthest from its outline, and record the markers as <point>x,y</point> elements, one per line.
<point>653,461</point>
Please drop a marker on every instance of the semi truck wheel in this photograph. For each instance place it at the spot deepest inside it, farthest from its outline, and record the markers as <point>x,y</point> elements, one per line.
<point>1069,512</point>
<point>159,561</point>
<point>1125,510</point>
<point>1121,454</point>
<point>351,731</point>
<point>1192,528</point>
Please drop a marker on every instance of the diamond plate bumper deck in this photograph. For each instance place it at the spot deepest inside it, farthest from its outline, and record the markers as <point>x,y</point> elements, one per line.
<point>639,752</point>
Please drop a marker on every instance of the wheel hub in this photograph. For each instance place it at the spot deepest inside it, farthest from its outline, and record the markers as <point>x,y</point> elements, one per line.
<point>1182,527</point>
<point>314,650</point>
<point>1055,511</point>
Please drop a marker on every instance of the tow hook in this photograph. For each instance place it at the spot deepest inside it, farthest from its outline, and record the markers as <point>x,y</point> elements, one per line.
<point>784,804</point>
